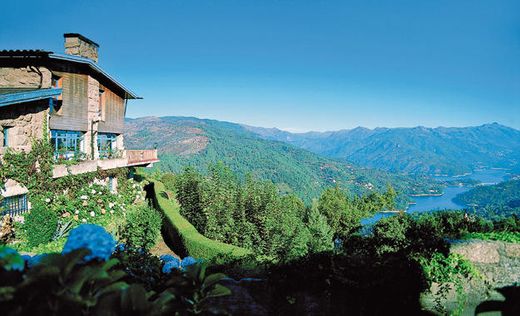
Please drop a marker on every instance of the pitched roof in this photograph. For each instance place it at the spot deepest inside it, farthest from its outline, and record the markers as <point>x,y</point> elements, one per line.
<point>15,96</point>
<point>38,53</point>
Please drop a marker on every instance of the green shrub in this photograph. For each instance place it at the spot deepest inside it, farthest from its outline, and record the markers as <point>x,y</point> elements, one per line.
<point>513,237</point>
<point>143,226</point>
<point>40,225</point>
<point>186,239</point>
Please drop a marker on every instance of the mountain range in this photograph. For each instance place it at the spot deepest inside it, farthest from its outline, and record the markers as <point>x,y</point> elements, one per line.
<point>184,141</point>
<point>418,150</point>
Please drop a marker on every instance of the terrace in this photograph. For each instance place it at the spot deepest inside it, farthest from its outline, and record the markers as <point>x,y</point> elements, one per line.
<point>127,158</point>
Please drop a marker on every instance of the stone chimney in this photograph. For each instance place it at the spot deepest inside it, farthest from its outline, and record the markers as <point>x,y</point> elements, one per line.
<point>78,45</point>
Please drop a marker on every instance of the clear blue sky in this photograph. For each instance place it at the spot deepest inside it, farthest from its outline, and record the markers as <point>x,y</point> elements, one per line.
<point>298,65</point>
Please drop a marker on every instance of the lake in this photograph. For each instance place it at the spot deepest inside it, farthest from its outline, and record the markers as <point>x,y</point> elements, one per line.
<point>436,203</point>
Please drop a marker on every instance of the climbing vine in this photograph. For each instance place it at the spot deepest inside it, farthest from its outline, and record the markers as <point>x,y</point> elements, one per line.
<point>448,272</point>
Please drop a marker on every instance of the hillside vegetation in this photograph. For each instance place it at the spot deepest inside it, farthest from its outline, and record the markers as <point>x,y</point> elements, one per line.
<point>500,198</point>
<point>441,150</point>
<point>199,143</point>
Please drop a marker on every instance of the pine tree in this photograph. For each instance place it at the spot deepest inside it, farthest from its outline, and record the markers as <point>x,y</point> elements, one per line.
<point>321,234</point>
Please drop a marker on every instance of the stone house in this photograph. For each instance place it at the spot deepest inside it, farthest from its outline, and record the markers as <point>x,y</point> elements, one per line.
<point>71,100</point>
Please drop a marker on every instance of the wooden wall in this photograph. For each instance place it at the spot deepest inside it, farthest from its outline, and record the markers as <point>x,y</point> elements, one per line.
<point>73,112</point>
<point>113,113</point>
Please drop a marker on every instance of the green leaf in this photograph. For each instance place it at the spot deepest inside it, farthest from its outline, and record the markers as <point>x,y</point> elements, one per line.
<point>211,279</point>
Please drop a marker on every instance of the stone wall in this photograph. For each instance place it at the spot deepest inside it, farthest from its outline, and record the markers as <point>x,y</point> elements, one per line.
<point>25,122</point>
<point>25,77</point>
<point>498,264</point>
<point>93,117</point>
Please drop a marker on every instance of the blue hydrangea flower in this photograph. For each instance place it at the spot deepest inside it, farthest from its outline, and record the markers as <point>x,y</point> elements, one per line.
<point>121,247</point>
<point>188,261</point>
<point>26,258</point>
<point>166,258</point>
<point>10,259</point>
<point>170,265</point>
<point>92,237</point>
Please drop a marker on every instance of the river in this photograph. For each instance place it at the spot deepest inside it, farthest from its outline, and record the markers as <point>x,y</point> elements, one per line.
<point>445,201</point>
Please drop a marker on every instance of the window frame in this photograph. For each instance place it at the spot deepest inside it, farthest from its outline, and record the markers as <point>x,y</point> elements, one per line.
<point>5,137</point>
<point>103,139</point>
<point>71,140</point>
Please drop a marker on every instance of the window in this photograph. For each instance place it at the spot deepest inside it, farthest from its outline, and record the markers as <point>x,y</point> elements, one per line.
<point>55,103</point>
<point>67,144</point>
<point>107,145</point>
<point>14,205</point>
<point>57,83</point>
<point>5,139</point>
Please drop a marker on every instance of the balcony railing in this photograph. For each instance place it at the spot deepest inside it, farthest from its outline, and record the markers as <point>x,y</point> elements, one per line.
<point>128,158</point>
<point>139,157</point>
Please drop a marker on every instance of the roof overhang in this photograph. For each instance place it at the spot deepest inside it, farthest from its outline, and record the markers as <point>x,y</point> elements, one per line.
<point>42,55</point>
<point>94,67</point>
<point>27,96</point>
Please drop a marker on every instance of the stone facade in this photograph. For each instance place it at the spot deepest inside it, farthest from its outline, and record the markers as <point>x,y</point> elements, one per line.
<point>93,117</point>
<point>25,123</point>
<point>26,77</point>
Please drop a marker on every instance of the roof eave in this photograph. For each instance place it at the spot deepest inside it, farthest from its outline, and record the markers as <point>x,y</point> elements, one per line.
<point>128,93</point>
<point>23,97</point>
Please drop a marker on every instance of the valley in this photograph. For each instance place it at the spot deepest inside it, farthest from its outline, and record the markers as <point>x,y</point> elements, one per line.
<point>184,141</point>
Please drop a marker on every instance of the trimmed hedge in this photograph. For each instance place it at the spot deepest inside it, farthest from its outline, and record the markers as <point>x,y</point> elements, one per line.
<point>184,238</point>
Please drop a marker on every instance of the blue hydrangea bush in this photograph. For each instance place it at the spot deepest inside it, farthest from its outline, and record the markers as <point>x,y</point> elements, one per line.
<point>92,276</point>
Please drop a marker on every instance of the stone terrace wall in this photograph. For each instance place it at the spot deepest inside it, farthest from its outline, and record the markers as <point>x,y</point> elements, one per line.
<point>498,264</point>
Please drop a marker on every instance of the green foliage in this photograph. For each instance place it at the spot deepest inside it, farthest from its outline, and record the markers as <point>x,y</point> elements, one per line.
<point>63,284</point>
<point>33,169</point>
<point>197,288</point>
<point>249,214</point>
<point>390,234</point>
<point>143,227</point>
<point>185,238</point>
<point>448,271</point>
<point>140,266</point>
<point>344,214</point>
<point>321,234</point>
<point>40,225</point>
<point>252,214</point>
<point>501,199</point>
<point>50,247</point>
<point>513,237</point>
<point>60,284</point>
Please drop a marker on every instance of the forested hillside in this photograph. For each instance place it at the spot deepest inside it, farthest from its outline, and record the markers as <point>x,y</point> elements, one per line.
<point>439,150</point>
<point>196,142</point>
<point>501,198</point>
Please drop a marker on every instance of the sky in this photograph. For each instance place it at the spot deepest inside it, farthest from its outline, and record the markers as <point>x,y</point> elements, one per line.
<point>295,64</point>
